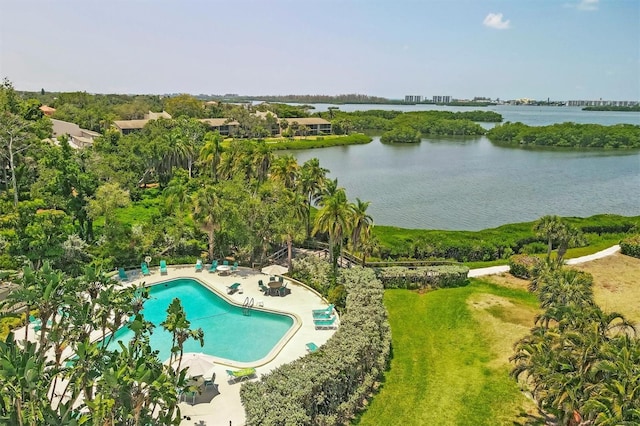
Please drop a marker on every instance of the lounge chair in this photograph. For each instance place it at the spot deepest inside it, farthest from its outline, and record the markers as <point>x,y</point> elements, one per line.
<point>198,265</point>
<point>123,275</point>
<point>325,323</point>
<point>163,267</point>
<point>241,375</point>
<point>145,269</point>
<point>323,313</point>
<point>214,266</point>
<point>311,347</point>
<point>234,268</point>
<point>225,262</point>
<point>233,288</point>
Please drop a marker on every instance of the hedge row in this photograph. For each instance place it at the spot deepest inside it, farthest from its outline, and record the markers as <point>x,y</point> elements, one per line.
<point>631,246</point>
<point>523,266</point>
<point>437,276</point>
<point>329,386</point>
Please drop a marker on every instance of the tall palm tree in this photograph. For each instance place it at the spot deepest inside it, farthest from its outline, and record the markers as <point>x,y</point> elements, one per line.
<point>312,179</point>
<point>334,218</point>
<point>262,159</point>
<point>361,223</point>
<point>206,212</point>
<point>210,154</point>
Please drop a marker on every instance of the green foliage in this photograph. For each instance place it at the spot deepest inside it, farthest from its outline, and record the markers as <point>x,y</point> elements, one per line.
<point>434,276</point>
<point>320,142</point>
<point>576,352</point>
<point>633,108</point>
<point>567,135</point>
<point>496,243</point>
<point>403,134</point>
<point>523,266</point>
<point>330,385</point>
<point>425,122</point>
<point>631,246</point>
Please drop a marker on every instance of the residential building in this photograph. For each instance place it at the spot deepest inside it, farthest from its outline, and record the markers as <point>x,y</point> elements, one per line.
<point>78,138</point>
<point>129,126</point>
<point>312,125</point>
<point>441,99</point>
<point>224,126</point>
<point>600,102</point>
<point>413,98</point>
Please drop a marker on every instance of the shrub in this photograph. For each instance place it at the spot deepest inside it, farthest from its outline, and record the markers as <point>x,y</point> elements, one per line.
<point>436,276</point>
<point>522,266</point>
<point>328,386</point>
<point>631,246</point>
<point>534,248</point>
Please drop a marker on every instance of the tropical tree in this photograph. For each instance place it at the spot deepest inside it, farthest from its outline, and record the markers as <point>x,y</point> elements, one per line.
<point>108,198</point>
<point>361,223</point>
<point>179,327</point>
<point>285,169</point>
<point>209,156</point>
<point>312,179</point>
<point>207,212</point>
<point>334,218</point>
<point>15,138</point>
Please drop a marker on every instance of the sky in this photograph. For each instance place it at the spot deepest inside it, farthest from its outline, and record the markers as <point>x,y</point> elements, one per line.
<point>507,49</point>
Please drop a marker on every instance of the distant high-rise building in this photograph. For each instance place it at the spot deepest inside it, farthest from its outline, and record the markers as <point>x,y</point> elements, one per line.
<point>413,98</point>
<point>442,99</point>
<point>600,102</point>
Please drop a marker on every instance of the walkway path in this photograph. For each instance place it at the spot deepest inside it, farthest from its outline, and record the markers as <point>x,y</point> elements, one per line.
<point>491,270</point>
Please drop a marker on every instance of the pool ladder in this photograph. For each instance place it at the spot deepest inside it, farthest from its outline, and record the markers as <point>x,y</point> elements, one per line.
<point>246,306</point>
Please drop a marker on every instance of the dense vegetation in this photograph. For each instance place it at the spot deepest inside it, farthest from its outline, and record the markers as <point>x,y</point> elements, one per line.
<point>319,141</point>
<point>429,277</point>
<point>425,122</point>
<point>631,246</point>
<point>581,364</point>
<point>172,190</point>
<point>401,135</point>
<point>600,232</point>
<point>329,386</point>
<point>634,108</point>
<point>67,374</point>
<point>567,135</point>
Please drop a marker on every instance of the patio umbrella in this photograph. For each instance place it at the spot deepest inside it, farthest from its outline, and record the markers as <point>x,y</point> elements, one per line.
<point>198,364</point>
<point>275,270</point>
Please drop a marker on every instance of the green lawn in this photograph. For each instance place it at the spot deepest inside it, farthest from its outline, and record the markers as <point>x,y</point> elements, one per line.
<point>446,369</point>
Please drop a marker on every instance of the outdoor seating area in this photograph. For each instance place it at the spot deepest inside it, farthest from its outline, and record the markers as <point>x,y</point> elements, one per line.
<point>240,375</point>
<point>324,319</point>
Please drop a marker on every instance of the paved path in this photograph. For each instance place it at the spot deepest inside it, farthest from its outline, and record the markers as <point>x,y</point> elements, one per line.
<point>491,270</point>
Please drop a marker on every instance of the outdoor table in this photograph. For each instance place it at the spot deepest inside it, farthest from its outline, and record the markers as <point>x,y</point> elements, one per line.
<point>273,287</point>
<point>223,269</point>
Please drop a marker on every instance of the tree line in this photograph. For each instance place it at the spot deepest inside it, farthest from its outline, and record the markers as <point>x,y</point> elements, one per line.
<point>567,135</point>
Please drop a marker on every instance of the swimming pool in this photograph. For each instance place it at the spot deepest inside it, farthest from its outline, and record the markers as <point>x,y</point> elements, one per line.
<point>228,333</point>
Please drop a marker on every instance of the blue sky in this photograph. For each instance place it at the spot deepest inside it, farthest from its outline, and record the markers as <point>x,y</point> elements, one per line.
<point>558,49</point>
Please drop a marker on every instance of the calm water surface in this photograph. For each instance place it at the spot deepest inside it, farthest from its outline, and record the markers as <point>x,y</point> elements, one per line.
<point>471,184</point>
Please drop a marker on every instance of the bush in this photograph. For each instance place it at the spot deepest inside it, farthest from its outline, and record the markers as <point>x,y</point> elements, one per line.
<point>534,248</point>
<point>437,276</point>
<point>522,266</point>
<point>631,246</point>
<point>330,385</point>
<point>404,134</point>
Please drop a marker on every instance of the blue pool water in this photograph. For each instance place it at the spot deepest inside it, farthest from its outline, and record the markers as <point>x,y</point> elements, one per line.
<point>227,332</point>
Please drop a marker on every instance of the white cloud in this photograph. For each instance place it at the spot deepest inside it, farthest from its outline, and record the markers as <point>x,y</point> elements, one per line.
<point>586,5</point>
<point>495,21</point>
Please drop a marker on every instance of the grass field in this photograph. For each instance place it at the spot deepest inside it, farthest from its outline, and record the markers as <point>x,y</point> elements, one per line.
<point>451,347</point>
<point>450,357</point>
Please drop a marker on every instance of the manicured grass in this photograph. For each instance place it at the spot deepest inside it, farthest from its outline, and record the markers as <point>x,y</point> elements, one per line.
<point>447,368</point>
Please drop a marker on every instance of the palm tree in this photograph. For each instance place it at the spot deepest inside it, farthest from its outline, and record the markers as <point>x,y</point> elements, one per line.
<point>312,179</point>
<point>285,169</point>
<point>548,227</point>
<point>178,325</point>
<point>291,220</point>
<point>210,153</point>
<point>334,218</point>
<point>262,159</point>
<point>361,223</point>
<point>206,212</point>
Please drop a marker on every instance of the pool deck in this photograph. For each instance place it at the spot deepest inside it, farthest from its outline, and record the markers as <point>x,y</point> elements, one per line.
<point>225,408</point>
